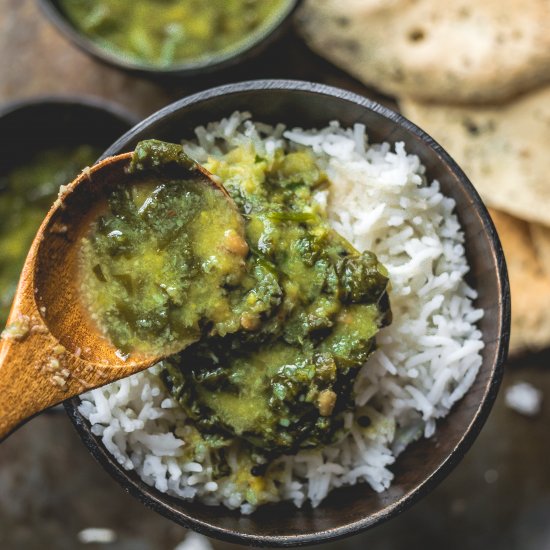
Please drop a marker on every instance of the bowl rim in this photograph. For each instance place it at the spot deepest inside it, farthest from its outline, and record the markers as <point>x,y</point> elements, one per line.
<point>158,501</point>
<point>69,101</point>
<point>248,48</point>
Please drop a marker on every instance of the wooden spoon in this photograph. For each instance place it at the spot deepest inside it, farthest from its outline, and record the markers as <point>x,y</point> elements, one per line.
<point>51,349</point>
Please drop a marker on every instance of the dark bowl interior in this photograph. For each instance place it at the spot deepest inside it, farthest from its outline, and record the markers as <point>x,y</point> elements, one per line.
<point>30,126</point>
<point>218,62</point>
<point>423,464</point>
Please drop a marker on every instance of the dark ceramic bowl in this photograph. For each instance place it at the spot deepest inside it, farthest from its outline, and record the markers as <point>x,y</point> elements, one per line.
<point>31,125</point>
<point>425,463</point>
<point>248,49</point>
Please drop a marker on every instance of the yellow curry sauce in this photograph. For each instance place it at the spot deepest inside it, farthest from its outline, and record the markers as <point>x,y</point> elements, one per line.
<point>167,32</point>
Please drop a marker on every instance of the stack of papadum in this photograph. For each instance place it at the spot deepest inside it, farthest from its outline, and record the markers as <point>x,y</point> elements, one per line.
<point>475,74</point>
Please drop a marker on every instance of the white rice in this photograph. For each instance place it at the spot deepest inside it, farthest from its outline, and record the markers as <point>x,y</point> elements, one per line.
<point>426,359</point>
<point>524,398</point>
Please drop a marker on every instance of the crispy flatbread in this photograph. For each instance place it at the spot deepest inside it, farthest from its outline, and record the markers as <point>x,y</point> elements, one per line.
<point>541,239</point>
<point>504,150</point>
<point>529,285</point>
<point>452,51</point>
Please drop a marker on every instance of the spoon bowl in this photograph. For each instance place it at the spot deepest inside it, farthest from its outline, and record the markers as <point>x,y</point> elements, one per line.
<point>52,348</point>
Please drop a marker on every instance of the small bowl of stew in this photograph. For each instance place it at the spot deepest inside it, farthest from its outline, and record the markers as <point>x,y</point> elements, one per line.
<point>178,38</point>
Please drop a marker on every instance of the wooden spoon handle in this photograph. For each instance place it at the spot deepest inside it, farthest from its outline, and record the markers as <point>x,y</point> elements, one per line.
<point>36,372</point>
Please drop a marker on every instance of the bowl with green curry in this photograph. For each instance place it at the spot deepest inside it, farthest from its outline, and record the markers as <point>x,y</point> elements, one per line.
<point>178,38</point>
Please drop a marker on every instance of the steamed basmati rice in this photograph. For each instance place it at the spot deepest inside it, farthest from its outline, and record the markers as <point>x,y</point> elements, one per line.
<point>426,359</point>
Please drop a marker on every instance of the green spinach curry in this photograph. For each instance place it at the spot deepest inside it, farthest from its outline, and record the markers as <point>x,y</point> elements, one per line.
<point>167,32</point>
<point>300,305</point>
<point>26,194</point>
<point>164,263</point>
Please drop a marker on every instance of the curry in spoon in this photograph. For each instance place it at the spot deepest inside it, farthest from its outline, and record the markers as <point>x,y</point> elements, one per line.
<point>98,299</point>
